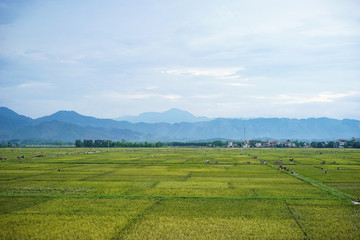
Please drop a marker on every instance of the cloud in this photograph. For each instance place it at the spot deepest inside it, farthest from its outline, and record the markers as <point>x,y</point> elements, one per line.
<point>237,84</point>
<point>140,96</point>
<point>164,54</point>
<point>152,87</point>
<point>324,97</point>
<point>209,96</point>
<point>219,73</point>
<point>320,98</point>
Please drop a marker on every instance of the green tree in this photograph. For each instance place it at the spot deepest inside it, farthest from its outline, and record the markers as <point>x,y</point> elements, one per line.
<point>218,143</point>
<point>88,143</point>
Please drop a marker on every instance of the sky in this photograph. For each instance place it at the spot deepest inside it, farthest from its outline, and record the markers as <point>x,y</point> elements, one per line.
<point>221,58</point>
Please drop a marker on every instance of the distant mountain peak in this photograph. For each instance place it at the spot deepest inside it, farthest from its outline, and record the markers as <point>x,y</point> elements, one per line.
<point>67,112</point>
<point>8,113</point>
<point>173,115</point>
<point>62,115</point>
<point>175,110</point>
<point>4,111</point>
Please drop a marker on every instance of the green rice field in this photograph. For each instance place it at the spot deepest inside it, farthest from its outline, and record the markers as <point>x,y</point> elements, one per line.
<point>171,193</point>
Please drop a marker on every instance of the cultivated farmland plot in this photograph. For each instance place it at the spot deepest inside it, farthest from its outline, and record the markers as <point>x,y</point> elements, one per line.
<point>171,193</point>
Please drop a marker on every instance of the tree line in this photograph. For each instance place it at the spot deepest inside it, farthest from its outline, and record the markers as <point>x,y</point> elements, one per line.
<point>347,144</point>
<point>109,143</point>
<point>217,143</point>
<point>123,143</point>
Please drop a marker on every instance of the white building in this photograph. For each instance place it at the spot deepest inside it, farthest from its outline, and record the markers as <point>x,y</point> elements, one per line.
<point>342,143</point>
<point>274,143</point>
<point>287,143</point>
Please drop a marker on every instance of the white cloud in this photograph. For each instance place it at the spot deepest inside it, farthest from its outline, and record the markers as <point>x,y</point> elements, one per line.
<point>237,84</point>
<point>139,96</point>
<point>209,96</point>
<point>220,73</point>
<point>170,96</point>
<point>324,97</point>
<point>231,77</point>
<point>152,87</point>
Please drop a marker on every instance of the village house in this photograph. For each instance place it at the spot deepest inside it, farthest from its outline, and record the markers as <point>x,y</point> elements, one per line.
<point>342,143</point>
<point>274,143</point>
<point>287,143</point>
<point>246,144</point>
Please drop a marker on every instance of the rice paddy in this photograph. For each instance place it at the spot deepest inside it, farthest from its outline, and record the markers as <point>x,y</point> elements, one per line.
<point>171,193</point>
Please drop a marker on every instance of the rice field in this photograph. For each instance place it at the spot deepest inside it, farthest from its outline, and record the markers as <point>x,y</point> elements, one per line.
<point>171,193</point>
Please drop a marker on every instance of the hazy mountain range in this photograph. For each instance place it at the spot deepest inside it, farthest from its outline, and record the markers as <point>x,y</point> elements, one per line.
<point>173,115</point>
<point>69,126</point>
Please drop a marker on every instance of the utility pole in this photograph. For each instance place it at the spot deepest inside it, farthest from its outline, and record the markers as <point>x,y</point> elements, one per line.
<point>244,134</point>
<point>334,148</point>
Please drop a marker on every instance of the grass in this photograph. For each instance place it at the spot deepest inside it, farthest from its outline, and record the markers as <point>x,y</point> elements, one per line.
<point>171,193</point>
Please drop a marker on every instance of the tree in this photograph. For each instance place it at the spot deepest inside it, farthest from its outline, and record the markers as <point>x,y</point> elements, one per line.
<point>218,143</point>
<point>88,143</point>
<point>330,144</point>
<point>356,145</point>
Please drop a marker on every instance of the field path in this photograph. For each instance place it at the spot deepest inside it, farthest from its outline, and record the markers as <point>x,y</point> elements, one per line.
<point>318,184</point>
<point>297,222</point>
<point>121,234</point>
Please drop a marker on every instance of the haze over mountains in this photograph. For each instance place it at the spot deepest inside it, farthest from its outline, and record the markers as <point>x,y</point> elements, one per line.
<point>172,126</point>
<point>173,115</point>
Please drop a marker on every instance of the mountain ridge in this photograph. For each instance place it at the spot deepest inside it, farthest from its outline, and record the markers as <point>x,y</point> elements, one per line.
<point>70,125</point>
<point>173,115</point>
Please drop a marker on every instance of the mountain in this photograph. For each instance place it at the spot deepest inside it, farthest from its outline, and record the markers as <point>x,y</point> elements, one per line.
<point>81,120</point>
<point>11,121</point>
<point>69,126</point>
<point>276,128</point>
<point>54,130</point>
<point>64,126</point>
<point>8,113</point>
<point>173,115</point>
<point>63,131</point>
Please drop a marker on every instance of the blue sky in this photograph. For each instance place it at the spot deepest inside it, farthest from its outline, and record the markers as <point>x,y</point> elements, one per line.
<point>238,59</point>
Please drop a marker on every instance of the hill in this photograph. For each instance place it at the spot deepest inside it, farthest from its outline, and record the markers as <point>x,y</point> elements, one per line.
<point>69,126</point>
<point>81,120</point>
<point>57,130</point>
<point>10,121</point>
